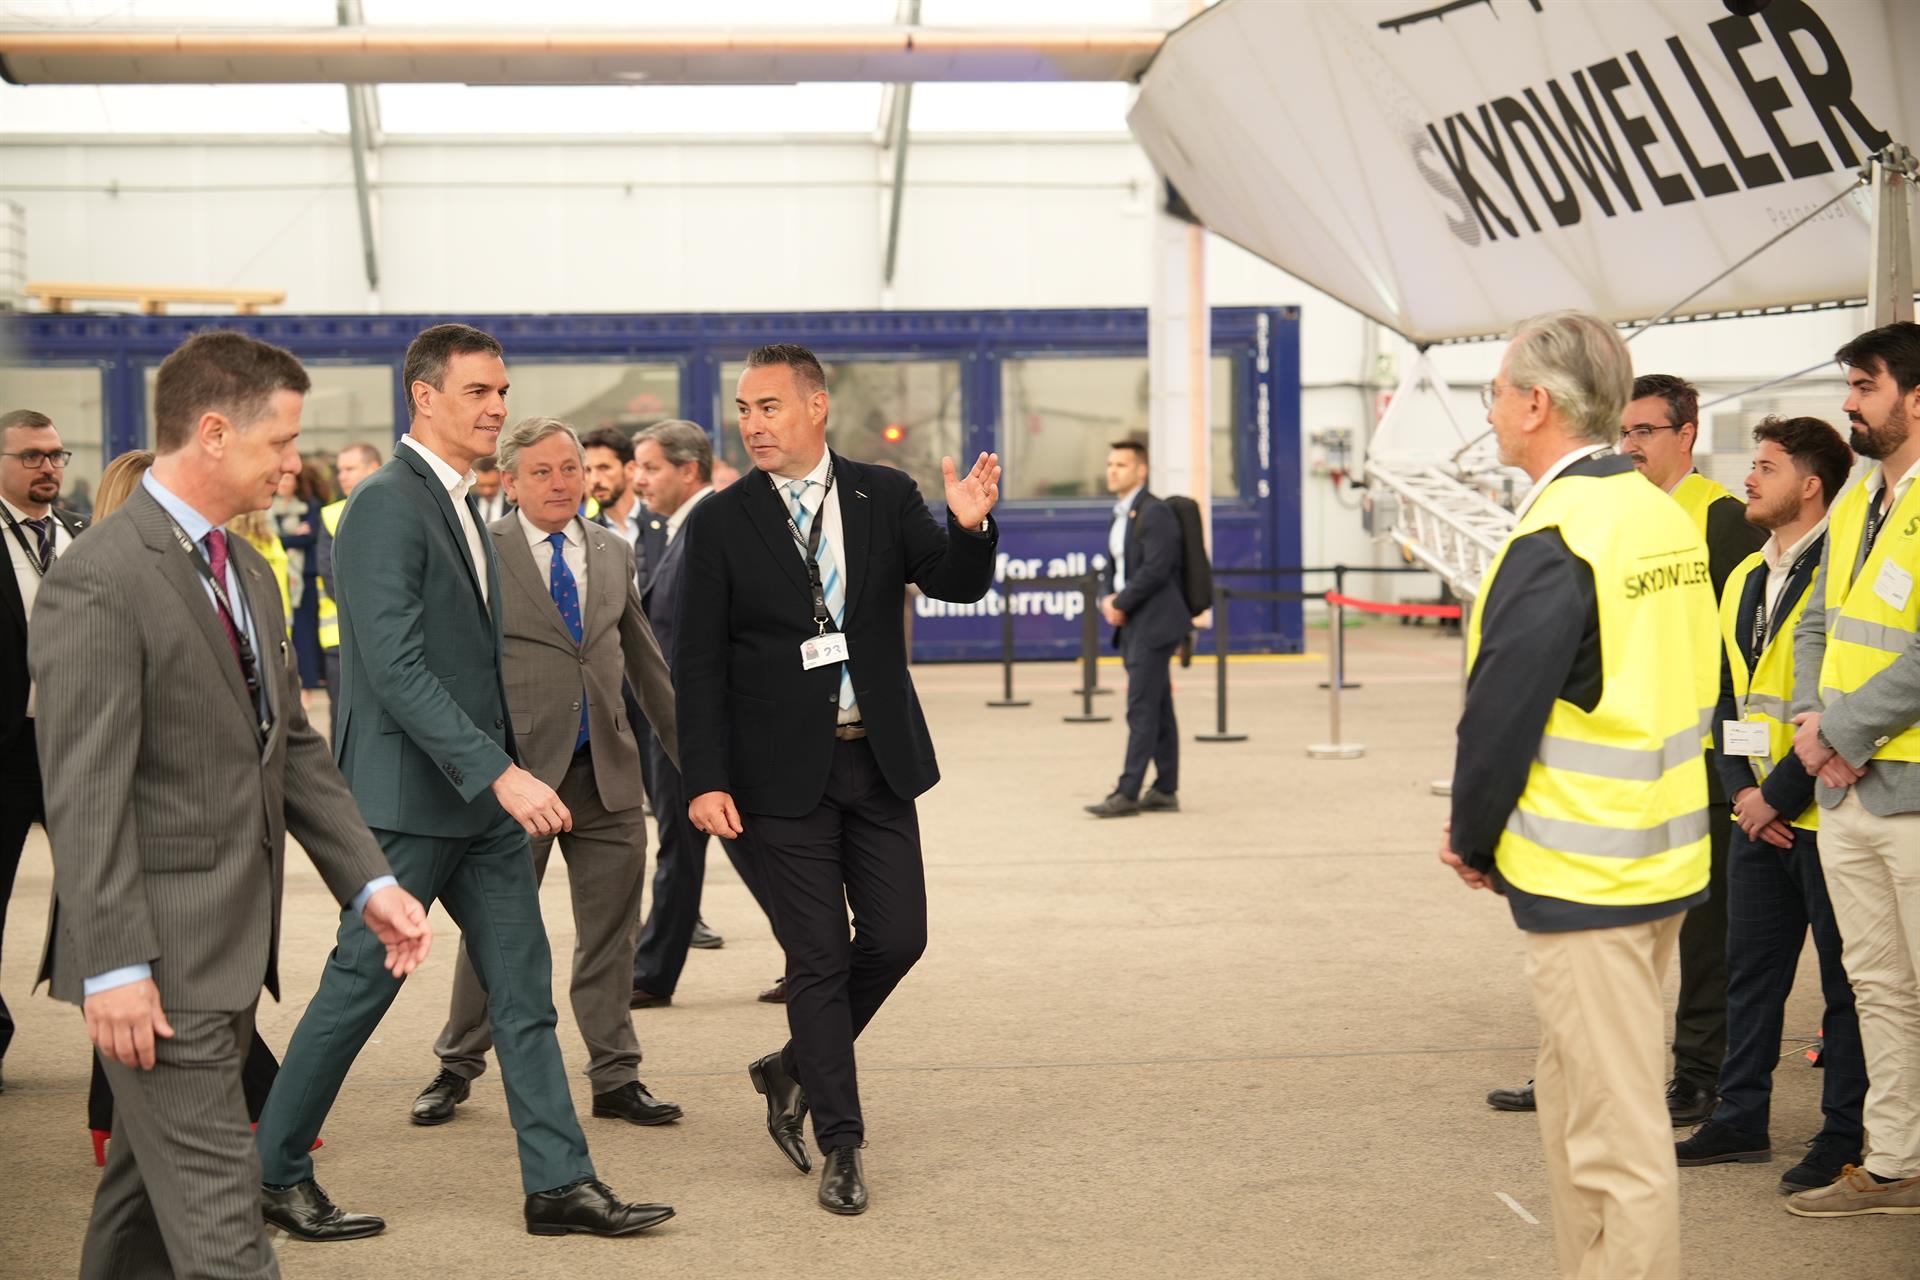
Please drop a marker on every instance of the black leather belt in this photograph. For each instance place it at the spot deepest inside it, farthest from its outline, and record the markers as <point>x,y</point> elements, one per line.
<point>850,732</point>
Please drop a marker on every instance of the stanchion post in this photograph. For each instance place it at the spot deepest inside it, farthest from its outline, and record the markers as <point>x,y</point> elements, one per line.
<point>1006,698</point>
<point>1222,637</point>
<point>1089,652</point>
<point>1339,637</point>
<point>1335,748</point>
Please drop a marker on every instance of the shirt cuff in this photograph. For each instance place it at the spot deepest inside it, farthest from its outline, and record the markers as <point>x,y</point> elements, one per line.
<point>122,977</point>
<point>984,531</point>
<point>374,886</point>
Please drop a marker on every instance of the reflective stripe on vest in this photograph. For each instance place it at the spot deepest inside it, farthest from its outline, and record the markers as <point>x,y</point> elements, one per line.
<point>1765,694</point>
<point>1865,631</point>
<point>1614,812</point>
<point>329,612</point>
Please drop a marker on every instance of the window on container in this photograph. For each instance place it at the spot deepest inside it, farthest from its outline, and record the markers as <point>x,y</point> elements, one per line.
<point>899,413</point>
<point>71,397</point>
<point>1059,415</point>
<point>590,396</point>
<point>348,404</point>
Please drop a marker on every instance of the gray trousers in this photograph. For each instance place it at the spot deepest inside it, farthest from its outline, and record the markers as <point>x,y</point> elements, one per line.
<point>181,1192</point>
<point>606,857</point>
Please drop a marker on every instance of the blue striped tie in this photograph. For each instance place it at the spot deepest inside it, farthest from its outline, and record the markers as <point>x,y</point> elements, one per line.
<point>836,587</point>
<point>566,598</point>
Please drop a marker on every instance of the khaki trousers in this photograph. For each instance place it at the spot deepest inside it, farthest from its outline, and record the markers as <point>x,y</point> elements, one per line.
<point>1602,1105</point>
<point>1872,868</point>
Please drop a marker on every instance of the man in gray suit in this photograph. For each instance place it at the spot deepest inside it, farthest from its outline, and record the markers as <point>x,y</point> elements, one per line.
<point>169,817</point>
<point>423,739</point>
<point>574,629</point>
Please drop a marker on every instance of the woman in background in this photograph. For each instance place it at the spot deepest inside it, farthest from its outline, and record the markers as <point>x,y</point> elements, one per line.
<point>119,480</point>
<point>296,517</point>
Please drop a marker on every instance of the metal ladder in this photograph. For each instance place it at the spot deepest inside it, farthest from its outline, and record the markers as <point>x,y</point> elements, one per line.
<point>1439,519</point>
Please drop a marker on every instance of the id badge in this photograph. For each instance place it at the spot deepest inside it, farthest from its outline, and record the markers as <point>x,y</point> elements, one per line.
<point>823,650</point>
<point>1745,738</point>
<point>1893,585</point>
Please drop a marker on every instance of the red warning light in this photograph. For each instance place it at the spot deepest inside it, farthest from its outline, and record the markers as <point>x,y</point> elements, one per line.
<point>894,433</point>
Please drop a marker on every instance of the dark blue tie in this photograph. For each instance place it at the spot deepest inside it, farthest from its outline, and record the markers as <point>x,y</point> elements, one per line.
<point>566,598</point>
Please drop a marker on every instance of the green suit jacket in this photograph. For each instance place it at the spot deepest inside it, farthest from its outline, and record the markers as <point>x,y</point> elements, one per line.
<point>422,725</point>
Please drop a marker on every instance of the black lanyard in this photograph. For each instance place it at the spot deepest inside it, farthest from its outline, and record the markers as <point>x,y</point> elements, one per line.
<point>811,545</point>
<point>1760,612</point>
<point>40,567</point>
<point>249,664</point>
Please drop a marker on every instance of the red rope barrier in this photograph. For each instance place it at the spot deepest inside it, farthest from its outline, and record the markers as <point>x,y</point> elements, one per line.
<point>1399,610</point>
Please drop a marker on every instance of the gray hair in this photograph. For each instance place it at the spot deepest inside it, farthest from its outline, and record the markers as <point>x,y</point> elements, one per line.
<point>528,432</point>
<point>681,442</point>
<point>1582,365</point>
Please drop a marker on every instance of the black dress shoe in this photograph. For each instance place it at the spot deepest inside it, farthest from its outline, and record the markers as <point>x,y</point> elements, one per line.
<point>1689,1103</point>
<point>631,1102</point>
<point>786,1109</point>
<point>1716,1143</point>
<point>589,1208</point>
<point>1826,1160</point>
<point>644,999</point>
<point>436,1102</point>
<point>1158,801</point>
<point>1520,1099</point>
<point>304,1212</point>
<point>775,994</point>
<point>843,1183</point>
<point>1116,805</point>
<point>705,939</point>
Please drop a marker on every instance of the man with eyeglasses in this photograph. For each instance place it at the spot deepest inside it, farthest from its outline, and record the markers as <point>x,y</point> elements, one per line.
<point>1657,431</point>
<point>32,466</point>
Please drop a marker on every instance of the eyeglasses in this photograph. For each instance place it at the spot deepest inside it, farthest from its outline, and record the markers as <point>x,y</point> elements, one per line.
<point>1491,392</point>
<point>34,459</point>
<point>1640,435</point>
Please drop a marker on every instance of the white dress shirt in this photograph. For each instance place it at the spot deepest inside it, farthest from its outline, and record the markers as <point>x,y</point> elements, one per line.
<point>1117,536</point>
<point>576,551</point>
<point>1780,563</point>
<point>493,508</point>
<point>457,487</point>
<point>628,526</point>
<point>816,482</point>
<point>1552,473</point>
<point>679,517</point>
<point>26,568</point>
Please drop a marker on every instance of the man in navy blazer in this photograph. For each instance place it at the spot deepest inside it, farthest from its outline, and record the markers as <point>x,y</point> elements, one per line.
<point>799,729</point>
<point>1147,606</point>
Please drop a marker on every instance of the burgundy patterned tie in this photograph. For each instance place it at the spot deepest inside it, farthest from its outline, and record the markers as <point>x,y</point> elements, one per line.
<point>217,561</point>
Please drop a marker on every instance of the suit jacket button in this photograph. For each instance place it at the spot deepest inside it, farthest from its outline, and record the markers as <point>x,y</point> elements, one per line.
<point>498,723</point>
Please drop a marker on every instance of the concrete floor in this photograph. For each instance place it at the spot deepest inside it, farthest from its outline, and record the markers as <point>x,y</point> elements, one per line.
<point>1248,1040</point>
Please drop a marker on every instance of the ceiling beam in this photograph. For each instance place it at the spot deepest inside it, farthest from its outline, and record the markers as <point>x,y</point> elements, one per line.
<point>386,55</point>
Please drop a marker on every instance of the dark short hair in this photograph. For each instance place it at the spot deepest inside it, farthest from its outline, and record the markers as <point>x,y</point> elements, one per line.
<point>681,442</point>
<point>1816,448</point>
<point>219,372</point>
<point>488,463</point>
<point>428,353</point>
<point>806,367</point>
<point>1131,446</point>
<point>1893,349</point>
<point>1682,397</point>
<point>610,438</point>
<point>26,419</point>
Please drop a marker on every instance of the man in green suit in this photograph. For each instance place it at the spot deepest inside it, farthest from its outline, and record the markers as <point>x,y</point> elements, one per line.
<point>422,738</point>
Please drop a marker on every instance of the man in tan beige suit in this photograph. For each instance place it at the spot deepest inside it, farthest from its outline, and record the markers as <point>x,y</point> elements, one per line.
<point>169,817</point>
<point>574,630</point>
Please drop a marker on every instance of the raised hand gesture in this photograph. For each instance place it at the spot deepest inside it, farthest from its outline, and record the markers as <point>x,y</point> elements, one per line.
<point>971,497</point>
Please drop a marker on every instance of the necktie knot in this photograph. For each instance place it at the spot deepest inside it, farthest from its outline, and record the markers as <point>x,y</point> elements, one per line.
<point>217,553</point>
<point>558,541</point>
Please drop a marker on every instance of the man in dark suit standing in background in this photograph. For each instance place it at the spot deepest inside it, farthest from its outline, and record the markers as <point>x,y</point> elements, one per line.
<point>32,464</point>
<point>424,742</point>
<point>169,817</point>
<point>673,471</point>
<point>574,630</point>
<point>799,729</point>
<point>1146,604</point>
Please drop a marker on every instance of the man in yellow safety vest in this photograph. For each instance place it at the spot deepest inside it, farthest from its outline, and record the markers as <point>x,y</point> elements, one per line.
<point>353,464</point>
<point>1579,790</point>
<point>1775,890</point>
<point>1856,658</point>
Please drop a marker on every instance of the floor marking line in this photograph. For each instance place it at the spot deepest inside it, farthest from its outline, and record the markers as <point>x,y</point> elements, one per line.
<point>1517,1207</point>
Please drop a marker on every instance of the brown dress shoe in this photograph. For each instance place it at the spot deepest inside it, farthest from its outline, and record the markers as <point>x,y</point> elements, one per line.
<point>644,999</point>
<point>777,993</point>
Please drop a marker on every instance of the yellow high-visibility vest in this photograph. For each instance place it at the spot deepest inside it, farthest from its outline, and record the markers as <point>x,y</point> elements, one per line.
<point>276,555</point>
<point>329,614</point>
<point>1615,808</point>
<point>1765,696</point>
<point>1872,616</point>
<point>1696,495</point>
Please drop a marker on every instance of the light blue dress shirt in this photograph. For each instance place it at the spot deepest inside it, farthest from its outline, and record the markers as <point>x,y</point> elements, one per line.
<point>197,527</point>
<point>1117,537</point>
